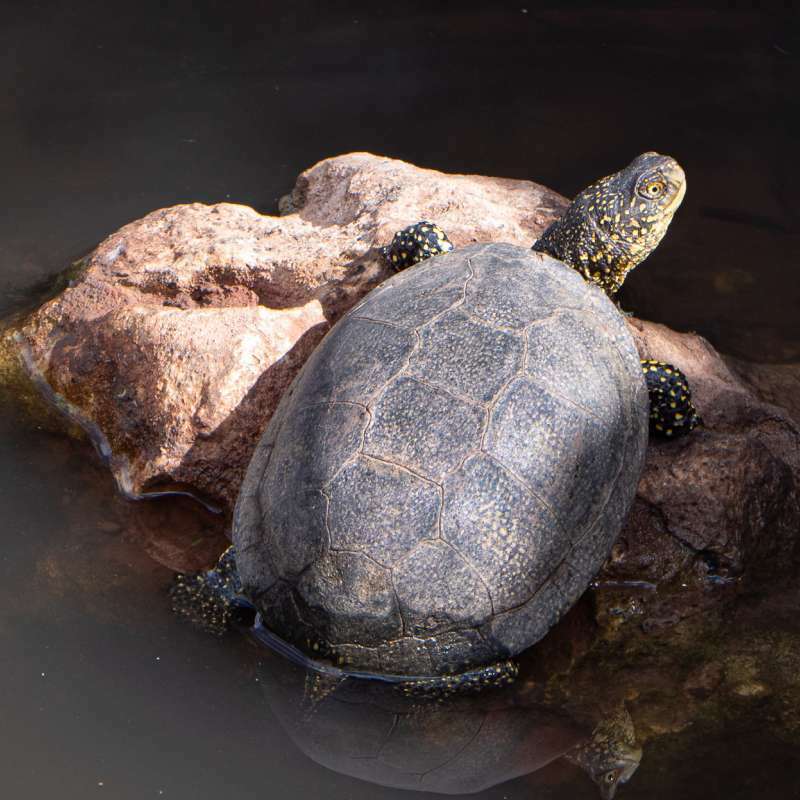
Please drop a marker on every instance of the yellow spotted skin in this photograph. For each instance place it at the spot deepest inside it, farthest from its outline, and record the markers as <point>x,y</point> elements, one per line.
<point>615,223</point>
<point>493,676</point>
<point>211,600</point>
<point>414,244</point>
<point>672,413</point>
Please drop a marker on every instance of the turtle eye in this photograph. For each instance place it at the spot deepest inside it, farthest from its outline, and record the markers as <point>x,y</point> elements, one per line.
<point>652,189</point>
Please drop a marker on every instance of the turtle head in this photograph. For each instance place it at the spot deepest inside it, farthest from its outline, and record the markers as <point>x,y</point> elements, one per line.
<point>644,197</point>
<point>615,223</point>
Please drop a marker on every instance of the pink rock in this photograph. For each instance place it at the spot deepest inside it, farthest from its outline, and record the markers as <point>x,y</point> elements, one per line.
<point>178,335</point>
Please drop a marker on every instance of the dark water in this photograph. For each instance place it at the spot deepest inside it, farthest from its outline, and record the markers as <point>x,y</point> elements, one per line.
<point>108,111</point>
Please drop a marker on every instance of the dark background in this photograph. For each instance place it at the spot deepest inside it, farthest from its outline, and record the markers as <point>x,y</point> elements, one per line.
<point>109,110</point>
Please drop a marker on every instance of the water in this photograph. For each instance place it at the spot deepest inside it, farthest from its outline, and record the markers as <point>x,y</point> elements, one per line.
<point>107,114</point>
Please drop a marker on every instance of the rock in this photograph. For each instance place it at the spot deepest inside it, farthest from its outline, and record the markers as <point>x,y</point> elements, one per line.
<point>176,337</point>
<point>704,679</point>
<point>712,508</point>
<point>778,384</point>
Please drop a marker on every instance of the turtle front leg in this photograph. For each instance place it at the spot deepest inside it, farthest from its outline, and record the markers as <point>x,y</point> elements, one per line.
<point>415,243</point>
<point>672,413</point>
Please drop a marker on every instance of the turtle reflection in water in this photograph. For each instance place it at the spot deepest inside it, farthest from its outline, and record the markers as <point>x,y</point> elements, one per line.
<point>366,730</point>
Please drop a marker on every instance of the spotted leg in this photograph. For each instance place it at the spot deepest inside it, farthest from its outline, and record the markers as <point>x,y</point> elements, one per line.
<point>672,413</point>
<point>414,244</point>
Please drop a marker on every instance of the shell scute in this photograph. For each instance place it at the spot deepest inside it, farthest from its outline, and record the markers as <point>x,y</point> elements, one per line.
<point>414,297</point>
<point>439,591</point>
<point>365,514</point>
<point>506,533</point>
<point>351,365</point>
<point>502,294</point>
<point>350,598</point>
<point>412,420</point>
<point>472,358</point>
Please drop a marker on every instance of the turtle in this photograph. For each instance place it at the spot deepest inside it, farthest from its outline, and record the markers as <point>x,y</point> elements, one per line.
<point>446,474</point>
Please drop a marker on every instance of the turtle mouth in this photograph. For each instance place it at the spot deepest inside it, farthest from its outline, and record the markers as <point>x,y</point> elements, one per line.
<point>677,177</point>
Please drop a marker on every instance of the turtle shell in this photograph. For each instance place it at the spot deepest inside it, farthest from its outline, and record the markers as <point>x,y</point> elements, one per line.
<point>450,468</point>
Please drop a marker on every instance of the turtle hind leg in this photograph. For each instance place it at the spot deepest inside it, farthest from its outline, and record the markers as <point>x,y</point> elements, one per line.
<point>493,676</point>
<point>193,600</point>
<point>212,600</point>
<point>672,413</point>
